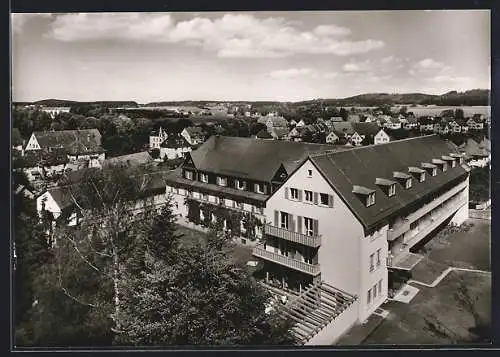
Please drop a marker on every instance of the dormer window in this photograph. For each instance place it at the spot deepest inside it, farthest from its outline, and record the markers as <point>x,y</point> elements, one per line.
<point>430,167</point>
<point>240,185</point>
<point>259,188</point>
<point>388,186</point>
<point>366,194</point>
<point>434,171</point>
<point>459,157</point>
<point>221,181</point>
<point>449,160</point>
<point>417,172</point>
<point>188,174</point>
<point>422,177</point>
<point>403,178</point>
<point>441,163</point>
<point>203,177</point>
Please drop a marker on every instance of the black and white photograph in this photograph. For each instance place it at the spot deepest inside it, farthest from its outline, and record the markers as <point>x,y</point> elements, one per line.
<point>251,179</point>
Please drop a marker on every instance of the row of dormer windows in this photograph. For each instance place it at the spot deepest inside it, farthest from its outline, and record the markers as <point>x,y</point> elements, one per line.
<point>223,181</point>
<point>389,186</point>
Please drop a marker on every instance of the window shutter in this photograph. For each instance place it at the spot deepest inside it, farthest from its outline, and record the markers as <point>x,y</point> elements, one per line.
<point>330,201</point>
<point>299,224</point>
<point>276,218</point>
<point>292,222</point>
<point>315,198</point>
<point>300,195</point>
<point>315,227</point>
<point>255,187</point>
<point>286,193</point>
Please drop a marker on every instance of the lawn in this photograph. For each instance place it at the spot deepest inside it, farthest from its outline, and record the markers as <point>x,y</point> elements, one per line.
<point>427,270</point>
<point>409,323</point>
<point>464,249</point>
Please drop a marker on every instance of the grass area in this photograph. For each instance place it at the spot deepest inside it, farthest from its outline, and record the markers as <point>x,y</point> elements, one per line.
<point>427,270</point>
<point>238,253</point>
<point>409,323</point>
<point>465,249</point>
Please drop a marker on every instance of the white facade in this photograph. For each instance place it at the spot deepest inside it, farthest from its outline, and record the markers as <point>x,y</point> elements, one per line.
<point>156,140</point>
<point>189,138</point>
<point>356,139</point>
<point>381,137</point>
<point>54,111</point>
<point>300,124</point>
<point>332,138</point>
<point>173,153</point>
<point>32,144</point>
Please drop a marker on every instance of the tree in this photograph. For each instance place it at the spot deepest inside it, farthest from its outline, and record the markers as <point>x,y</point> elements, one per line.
<point>194,295</point>
<point>155,153</point>
<point>256,127</point>
<point>343,114</point>
<point>459,113</point>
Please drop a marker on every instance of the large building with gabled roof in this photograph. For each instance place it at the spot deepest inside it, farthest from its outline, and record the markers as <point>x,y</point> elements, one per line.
<point>334,222</point>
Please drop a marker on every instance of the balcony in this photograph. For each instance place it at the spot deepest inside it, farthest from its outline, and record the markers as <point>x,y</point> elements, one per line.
<point>311,269</point>
<point>310,241</point>
<point>397,230</point>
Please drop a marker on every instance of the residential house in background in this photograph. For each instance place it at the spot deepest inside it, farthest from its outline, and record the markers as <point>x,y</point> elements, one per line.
<point>353,118</point>
<point>364,133</point>
<point>475,123</point>
<point>273,122</point>
<point>332,138</point>
<point>336,119</point>
<point>381,137</point>
<point>174,147</point>
<point>264,134</point>
<point>300,124</point>
<point>53,111</point>
<point>136,159</point>
<point>78,145</point>
<point>411,123</point>
<point>194,135</point>
<point>280,133</point>
<point>343,130</point>
<point>157,138</point>
<point>393,123</point>
<point>292,123</point>
<point>426,124</point>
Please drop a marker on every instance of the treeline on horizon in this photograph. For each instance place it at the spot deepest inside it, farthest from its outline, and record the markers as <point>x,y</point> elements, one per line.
<point>475,97</point>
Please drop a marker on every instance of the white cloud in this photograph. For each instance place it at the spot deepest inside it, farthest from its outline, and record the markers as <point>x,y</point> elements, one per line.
<point>232,35</point>
<point>444,79</point>
<point>291,73</point>
<point>357,66</point>
<point>429,66</point>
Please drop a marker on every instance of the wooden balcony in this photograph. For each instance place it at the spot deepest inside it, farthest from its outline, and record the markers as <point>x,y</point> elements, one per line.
<point>311,269</point>
<point>310,241</point>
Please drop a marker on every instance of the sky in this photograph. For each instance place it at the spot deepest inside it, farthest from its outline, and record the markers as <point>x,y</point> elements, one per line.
<point>283,56</point>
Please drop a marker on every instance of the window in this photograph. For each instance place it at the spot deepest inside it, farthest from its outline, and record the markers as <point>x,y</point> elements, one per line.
<point>370,199</point>
<point>378,257</point>
<point>240,185</point>
<point>309,196</point>
<point>422,177</point>
<point>372,257</point>
<point>309,173</point>
<point>392,190</point>
<point>221,181</point>
<point>203,177</point>
<point>204,197</point>
<point>453,164</point>
<point>294,194</point>
<point>284,220</point>
<point>445,167</point>
<point>309,226</point>
<point>324,199</point>
<point>380,287</point>
<point>369,297</point>
<point>259,188</point>
<point>188,175</point>
<point>460,160</point>
<point>408,183</point>
<point>374,291</point>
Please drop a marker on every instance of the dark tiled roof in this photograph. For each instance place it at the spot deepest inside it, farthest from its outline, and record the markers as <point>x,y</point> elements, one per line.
<point>175,141</point>
<point>264,134</point>
<point>251,158</point>
<point>175,179</point>
<point>138,158</point>
<point>281,132</point>
<point>343,127</point>
<point>368,129</point>
<point>195,130</point>
<point>361,166</point>
<point>73,141</point>
<point>62,196</point>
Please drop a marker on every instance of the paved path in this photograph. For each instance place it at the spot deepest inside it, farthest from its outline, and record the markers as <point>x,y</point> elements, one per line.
<point>445,273</point>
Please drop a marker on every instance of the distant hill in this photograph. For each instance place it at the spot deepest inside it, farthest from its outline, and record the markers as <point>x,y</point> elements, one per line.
<point>71,103</point>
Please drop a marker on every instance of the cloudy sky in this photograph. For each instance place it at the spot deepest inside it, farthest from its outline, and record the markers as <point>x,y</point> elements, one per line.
<point>285,56</point>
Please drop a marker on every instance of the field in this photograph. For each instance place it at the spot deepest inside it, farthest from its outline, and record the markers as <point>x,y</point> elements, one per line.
<point>435,110</point>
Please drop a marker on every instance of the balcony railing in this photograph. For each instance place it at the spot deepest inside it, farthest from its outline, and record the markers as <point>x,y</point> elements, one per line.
<point>310,241</point>
<point>260,252</point>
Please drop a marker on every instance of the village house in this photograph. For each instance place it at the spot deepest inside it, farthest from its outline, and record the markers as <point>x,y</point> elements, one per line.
<point>279,133</point>
<point>273,122</point>
<point>441,127</point>
<point>364,133</point>
<point>475,123</point>
<point>300,124</point>
<point>386,198</point>
<point>343,130</point>
<point>53,111</point>
<point>381,137</point>
<point>264,135</point>
<point>157,138</point>
<point>332,138</point>
<point>393,123</point>
<point>78,145</point>
<point>194,135</point>
<point>336,119</point>
<point>411,123</point>
<point>292,123</point>
<point>130,160</point>
<point>174,147</point>
<point>426,124</point>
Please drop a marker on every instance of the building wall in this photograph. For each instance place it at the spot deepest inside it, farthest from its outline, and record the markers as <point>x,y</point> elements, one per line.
<point>341,232</point>
<point>335,329</point>
<point>381,137</point>
<point>32,143</point>
<point>50,204</point>
<point>173,153</point>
